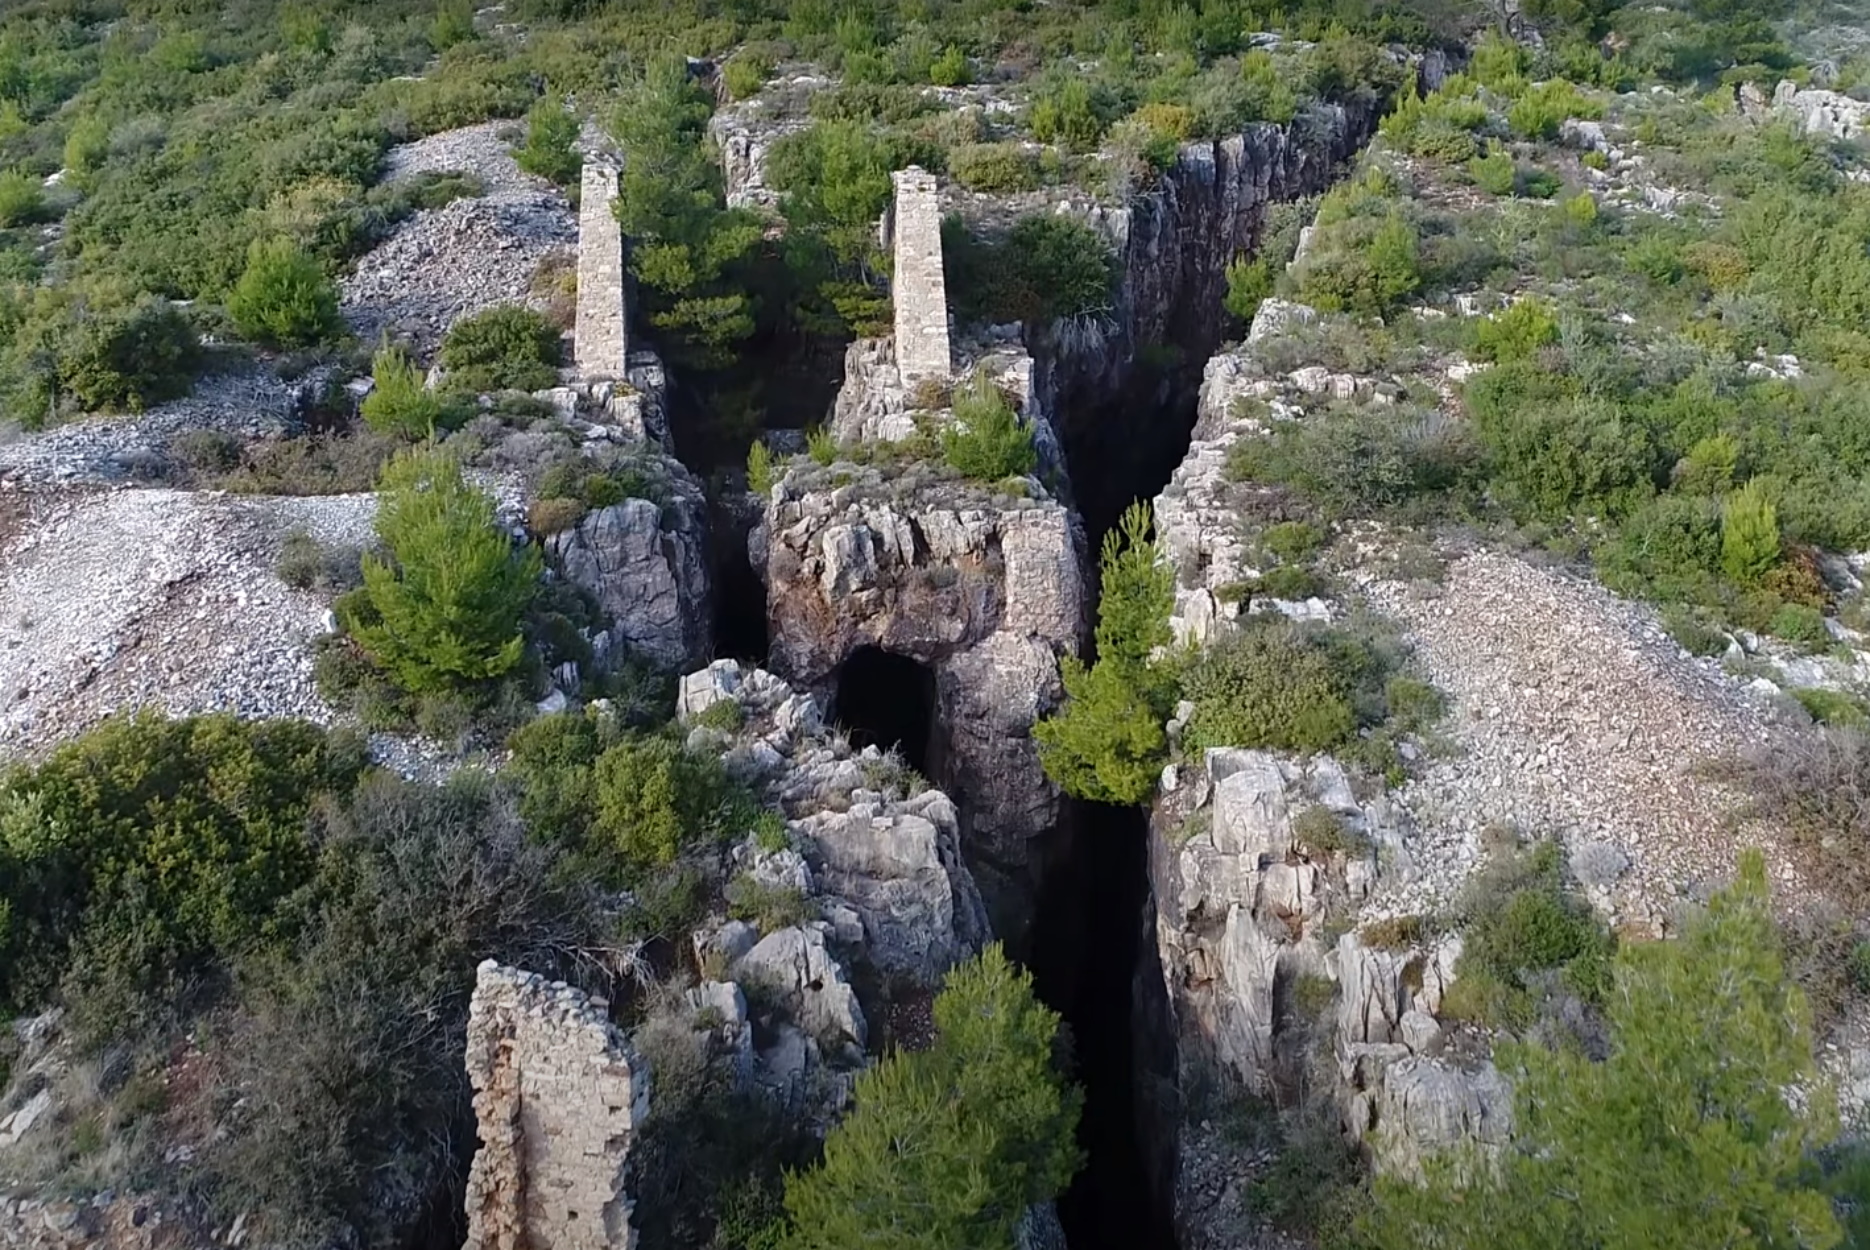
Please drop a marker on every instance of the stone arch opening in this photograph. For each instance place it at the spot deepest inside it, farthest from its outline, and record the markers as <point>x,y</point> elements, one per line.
<point>888,700</point>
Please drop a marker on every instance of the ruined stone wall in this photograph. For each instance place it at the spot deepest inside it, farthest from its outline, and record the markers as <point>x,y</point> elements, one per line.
<point>600,342</point>
<point>558,1098</point>
<point>918,288</point>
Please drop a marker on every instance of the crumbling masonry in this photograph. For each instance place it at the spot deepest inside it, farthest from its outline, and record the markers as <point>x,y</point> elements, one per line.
<point>918,288</point>
<point>600,341</point>
<point>558,1098</point>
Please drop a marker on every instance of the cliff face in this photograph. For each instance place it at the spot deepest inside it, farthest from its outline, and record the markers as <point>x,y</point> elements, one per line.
<point>1173,245</point>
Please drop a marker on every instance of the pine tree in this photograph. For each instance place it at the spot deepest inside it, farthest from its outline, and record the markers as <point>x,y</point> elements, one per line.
<point>444,611</point>
<point>1700,1128</point>
<point>1107,744</point>
<point>947,1147</point>
<point>400,402</point>
<point>1749,534</point>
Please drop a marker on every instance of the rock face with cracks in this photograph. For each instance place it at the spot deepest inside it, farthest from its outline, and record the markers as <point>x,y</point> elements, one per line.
<point>985,590</point>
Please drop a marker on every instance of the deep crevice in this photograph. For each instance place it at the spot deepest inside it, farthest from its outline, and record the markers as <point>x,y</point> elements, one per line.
<point>1087,937</point>
<point>1092,939</point>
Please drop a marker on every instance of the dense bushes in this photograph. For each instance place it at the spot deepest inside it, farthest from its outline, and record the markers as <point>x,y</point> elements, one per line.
<point>1107,743</point>
<point>443,610</point>
<point>1047,267</point>
<point>156,845</point>
<point>68,352</point>
<point>504,348</point>
<point>1705,1035</point>
<point>400,401</point>
<point>551,147</point>
<point>953,1142</point>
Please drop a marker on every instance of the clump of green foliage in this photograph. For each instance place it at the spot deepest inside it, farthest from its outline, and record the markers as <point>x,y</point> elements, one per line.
<point>156,845</point>
<point>986,440</point>
<point>442,609</point>
<point>1749,534</point>
<point>1269,686</point>
<point>284,298</point>
<point>505,348</point>
<point>994,167</point>
<point>1521,923</point>
<point>1047,268</point>
<point>955,1141</point>
<point>551,147</point>
<point>400,401</point>
<point>1518,331</point>
<point>1366,259</point>
<point>1107,743</point>
<point>1706,1035</point>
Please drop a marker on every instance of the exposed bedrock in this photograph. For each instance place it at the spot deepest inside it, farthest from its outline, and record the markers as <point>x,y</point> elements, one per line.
<point>983,589</point>
<point>1124,426</point>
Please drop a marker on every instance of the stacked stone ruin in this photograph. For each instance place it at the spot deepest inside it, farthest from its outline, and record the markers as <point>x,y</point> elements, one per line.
<point>559,1098</point>
<point>600,341</point>
<point>919,290</point>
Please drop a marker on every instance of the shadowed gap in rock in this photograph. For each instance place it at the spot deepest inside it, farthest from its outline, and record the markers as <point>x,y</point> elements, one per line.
<point>888,701</point>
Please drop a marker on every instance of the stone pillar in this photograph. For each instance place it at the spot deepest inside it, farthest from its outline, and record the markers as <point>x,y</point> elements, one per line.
<point>600,342</point>
<point>921,294</point>
<point>558,1098</point>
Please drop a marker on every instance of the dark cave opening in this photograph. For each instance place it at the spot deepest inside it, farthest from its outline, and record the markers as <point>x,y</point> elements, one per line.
<point>888,701</point>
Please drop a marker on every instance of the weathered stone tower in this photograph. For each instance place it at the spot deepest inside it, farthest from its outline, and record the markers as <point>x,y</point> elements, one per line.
<point>559,1098</point>
<point>601,339</point>
<point>918,287</point>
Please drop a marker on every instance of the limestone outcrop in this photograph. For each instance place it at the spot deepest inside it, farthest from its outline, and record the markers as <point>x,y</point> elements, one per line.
<point>1826,114</point>
<point>645,563</point>
<point>558,1096</point>
<point>985,589</point>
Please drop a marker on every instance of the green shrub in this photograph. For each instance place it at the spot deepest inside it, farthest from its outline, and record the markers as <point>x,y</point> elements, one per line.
<point>453,24</point>
<point>1518,331</point>
<point>1321,831</point>
<point>771,907</point>
<point>994,167</point>
<point>1495,173</point>
<point>400,402</point>
<point>1249,282</point>
<point>551,147</point>
<point>1066,110</point>
<point>1832,707</point>
<point>284,298</point>
<point>1394,933</point>
<point>1709,466</point>
<point>1366,267</point>
<point>1799,622</point>
<point>1352,461</point>
<point>505,348</point>
<point>987,441</point>
<point>744,74</point>
<point>653,799</point>
<point>1047,267</point>
<point>724,714</point>
<point>1272,686</point>
<point>1413,704</point>
<point>1693,631</point>
<point>950,69</point>
<point>22,198</point>
<point>1749,534</point>
<point>955,1141</point>
<point>822,446</point>
<point>1553,454</point>
<point>760,468</point>
<point>443,610</point>
<point>1292,540</point>
<point>1107,742</point>
<point>1540,112</point>
<point>109,357</point>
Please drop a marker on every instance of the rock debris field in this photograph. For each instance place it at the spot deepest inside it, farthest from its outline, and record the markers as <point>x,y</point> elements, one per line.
<point>120,599</point>
<point>1573,714</point>
<point>467,256</point>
